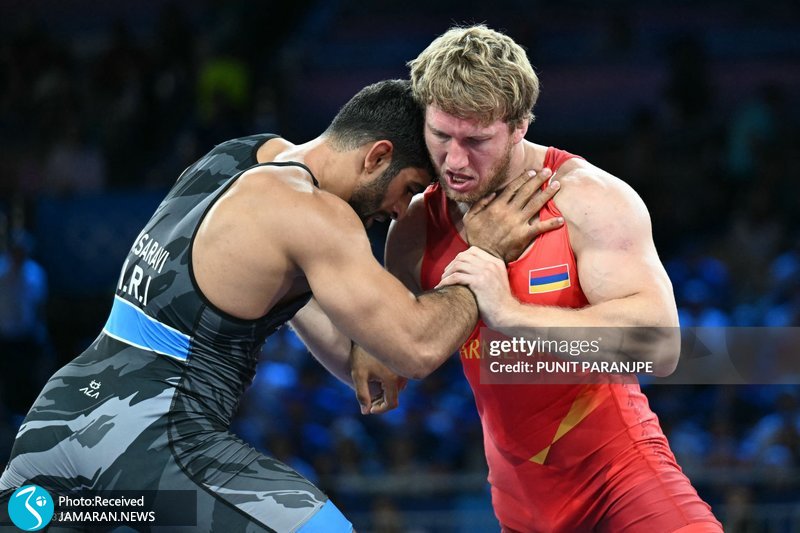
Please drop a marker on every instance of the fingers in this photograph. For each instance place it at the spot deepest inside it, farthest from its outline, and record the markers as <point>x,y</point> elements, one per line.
<point>474,259</point>
<point>453,279</point>
<point>388,400</point>
<point>375,385</point>
<point>391,393</point>
<point>466,275</point>
<point>361,385</point>
<point>468,264</point>
<point>538,227</point>
<point>378,394</point>
<point>451,268</point>
<point>454,264</point>
<point>511,189</point>
<point>543,175</point>
<point>538,200</point>
<point>529,189</point>
<point>481,204</point>
<point>525,186</point>
<point>379,407</point>
<point>459,264</point>
<point>470,260</point>
<point>480,254</point>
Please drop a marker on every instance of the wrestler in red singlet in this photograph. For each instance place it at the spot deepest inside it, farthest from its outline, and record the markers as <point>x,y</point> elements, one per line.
<point>566,458</point>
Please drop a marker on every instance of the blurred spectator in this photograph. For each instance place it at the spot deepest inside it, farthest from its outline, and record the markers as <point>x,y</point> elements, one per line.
<point>386,517</point>
<point>739,503</point>
<point>23,334</point>
<point>775,440</point>
<point>73,164</point>
<point>87,103</point>
<point>754,238</point>
<point>689,88</point>
<point>225,97</point>
<point>120,89</point>
<point>754,131</point>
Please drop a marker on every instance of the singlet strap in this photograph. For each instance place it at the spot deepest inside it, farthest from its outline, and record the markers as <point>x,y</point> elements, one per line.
<point>292,164</point>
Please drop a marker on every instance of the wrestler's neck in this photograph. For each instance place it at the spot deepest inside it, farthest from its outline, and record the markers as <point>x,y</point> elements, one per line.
<point>526,155</point>
<point>336,172</point>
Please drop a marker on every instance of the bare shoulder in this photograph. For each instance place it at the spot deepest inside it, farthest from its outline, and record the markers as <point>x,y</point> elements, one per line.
<point>282,203</point>
<point>589,192</point>
<point>288,191</point>
<point>601,210</point>
<point>271,149</point>
<point>270,180</point>
<point>251,247</point>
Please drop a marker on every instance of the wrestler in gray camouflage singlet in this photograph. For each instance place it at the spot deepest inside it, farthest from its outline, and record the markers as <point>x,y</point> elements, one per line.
<point>148,405</point>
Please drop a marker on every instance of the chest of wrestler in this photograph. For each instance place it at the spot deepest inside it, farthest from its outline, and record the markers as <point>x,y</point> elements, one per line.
<point>521,420</point>
<point>518,418</point>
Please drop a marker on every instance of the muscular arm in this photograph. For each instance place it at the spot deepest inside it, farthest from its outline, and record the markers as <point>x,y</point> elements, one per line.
<point>325,342</point>
<point>377,387</point>
<point>337,353</point>
<point>618,267</point>
<point>412,335</point>
<point>503,224</point>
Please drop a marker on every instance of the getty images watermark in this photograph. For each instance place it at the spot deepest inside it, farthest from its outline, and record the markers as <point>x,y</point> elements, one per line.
<point>713,356</point>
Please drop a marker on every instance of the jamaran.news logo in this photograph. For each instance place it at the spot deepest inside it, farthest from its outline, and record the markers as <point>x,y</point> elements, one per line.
<point>31,508</point>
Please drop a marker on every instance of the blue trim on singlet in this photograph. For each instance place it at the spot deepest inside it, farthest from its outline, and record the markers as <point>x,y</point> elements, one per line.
<point>129,324</point>
<point>328,519</point>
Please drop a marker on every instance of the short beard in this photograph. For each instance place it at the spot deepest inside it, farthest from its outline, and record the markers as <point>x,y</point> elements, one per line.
<point>366,199</point>
<point>498,177</point>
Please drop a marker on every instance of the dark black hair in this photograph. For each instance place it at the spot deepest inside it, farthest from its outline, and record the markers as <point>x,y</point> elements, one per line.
<point>384,111</point>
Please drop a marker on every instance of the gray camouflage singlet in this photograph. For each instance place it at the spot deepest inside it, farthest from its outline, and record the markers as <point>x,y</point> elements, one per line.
<point>148,405</point>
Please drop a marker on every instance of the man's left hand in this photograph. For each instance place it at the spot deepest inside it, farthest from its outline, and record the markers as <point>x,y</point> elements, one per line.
<point>504,223</point>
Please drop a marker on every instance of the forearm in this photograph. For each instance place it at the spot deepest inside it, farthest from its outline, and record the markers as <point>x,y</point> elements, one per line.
<point>439,322</point>
<point>636,310</point>
<point>627,329</point>
<point>323,339</point>
<point>443,320</point>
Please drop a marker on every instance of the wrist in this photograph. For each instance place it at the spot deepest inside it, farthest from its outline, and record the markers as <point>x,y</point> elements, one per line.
<point>505,316</point>
<point>491,251</point>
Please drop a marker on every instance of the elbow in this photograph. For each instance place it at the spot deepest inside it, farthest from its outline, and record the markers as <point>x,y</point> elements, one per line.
<point>410,360</point>
<point>666,352</point>
<point>419,361</point>
<point>420,368</point>
<point>659,337</point>
<point>665,368</point>
<point>417,373</point>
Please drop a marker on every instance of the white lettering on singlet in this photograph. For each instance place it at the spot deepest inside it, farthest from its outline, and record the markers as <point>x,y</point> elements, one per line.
<point>151,257</point>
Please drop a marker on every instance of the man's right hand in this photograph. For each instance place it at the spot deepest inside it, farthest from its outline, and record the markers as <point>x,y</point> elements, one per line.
<point>377,387</point>
<point>505,223</point>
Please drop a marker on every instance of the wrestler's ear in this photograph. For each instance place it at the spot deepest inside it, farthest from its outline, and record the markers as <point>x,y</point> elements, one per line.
<point>519,132</point>
<point>378,156</point>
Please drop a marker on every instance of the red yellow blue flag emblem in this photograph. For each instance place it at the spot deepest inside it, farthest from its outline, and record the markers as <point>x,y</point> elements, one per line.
<point>548,279</point>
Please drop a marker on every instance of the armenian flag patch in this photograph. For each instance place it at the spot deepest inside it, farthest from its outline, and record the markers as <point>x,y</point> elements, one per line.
<point>548,279</point>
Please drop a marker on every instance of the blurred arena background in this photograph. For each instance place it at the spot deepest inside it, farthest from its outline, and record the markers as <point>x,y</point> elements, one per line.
<point>695,104</point>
